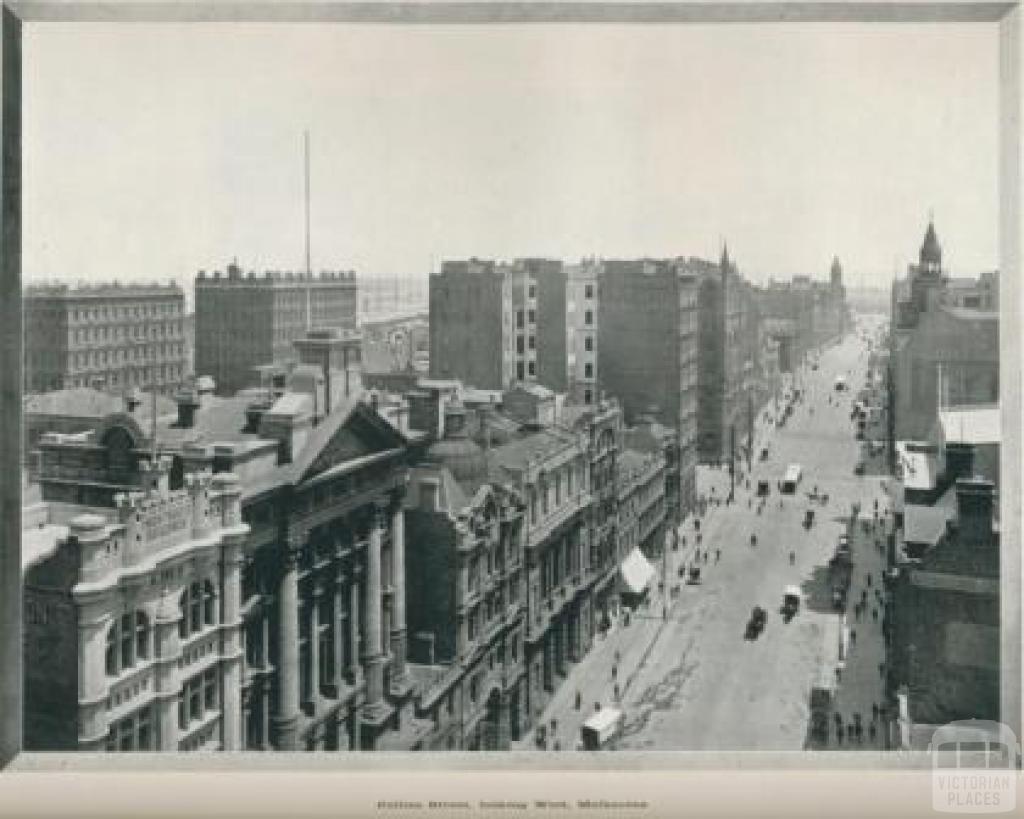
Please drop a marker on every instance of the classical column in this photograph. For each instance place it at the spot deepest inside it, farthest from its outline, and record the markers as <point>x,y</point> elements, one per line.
<point>265,685</point>
<point>374,647</point>
<point>167,649</point>
<point>233,653</point>
<point>287,717</point>
<point>355,669</point>
<point>339,631</point>
<point>314,643</point>
<point>399,676</point>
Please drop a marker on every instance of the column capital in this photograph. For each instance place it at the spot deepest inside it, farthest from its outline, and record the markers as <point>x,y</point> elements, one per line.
<point>295,543</point>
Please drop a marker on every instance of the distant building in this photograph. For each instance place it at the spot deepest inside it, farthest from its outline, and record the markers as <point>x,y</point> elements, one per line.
<point>648,350</point>
<point>244,319</point>
<point>941,354</point>
<point>386,298</point>
<point>582,317</point>
<point>106,336</point>
<point>641,503</point>
<point>495,324</point>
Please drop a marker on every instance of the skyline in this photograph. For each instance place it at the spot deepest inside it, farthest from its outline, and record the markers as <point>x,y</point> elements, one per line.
<point>548,142</point>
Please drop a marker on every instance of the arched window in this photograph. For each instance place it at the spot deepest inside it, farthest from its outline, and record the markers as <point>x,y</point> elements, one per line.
<point>127,642</point>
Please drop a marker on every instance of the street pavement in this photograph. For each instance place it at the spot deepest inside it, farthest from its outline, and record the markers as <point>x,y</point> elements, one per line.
<point>691,681</point>
<point>705,686</point>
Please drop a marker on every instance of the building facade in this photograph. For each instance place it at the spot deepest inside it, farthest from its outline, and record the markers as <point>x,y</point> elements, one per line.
<point>321,570</point>
<point>244,319</point>
<point>107,336</point>
<point>466,596</point>
<point>641,503</point>
<point>648,350</point>
<point>582,317</point>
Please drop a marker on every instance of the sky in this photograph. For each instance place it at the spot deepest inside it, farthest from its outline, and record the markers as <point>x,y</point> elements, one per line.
<point>151,152</point>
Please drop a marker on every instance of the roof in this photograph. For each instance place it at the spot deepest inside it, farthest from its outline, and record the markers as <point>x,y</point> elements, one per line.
<point>919,468</point>
<point>219,420</point>
<point>631,464</point>
<point>518,453</point>
<point>970,313</point>
<point>925,524</point>
<point>291,403</point>
<point>84,402</point>
<point>40,543</point>
<point>537,391</point>
<point>970,425</point>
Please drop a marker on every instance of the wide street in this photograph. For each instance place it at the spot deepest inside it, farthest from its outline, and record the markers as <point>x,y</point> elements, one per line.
<point>704,686</point>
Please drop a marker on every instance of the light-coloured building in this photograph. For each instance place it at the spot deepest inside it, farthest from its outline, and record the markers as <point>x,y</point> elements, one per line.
<point>107,336</point>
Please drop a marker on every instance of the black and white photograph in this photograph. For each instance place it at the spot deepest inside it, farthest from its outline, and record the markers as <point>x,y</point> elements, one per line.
<point>562,389</point>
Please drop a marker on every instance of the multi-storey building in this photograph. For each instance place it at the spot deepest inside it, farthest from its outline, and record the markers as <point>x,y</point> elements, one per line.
<point>941,354</point>
<point>641,503</point>
<point>601,426</point>
<point>549,468</point>
<point>582,317</point>
<point>650,437</point>
<point>133,621</point>
<point>109,336</point>
<point>466,595</point>
<point>320,575</point>
<point>494,324</point>
<point>244,319</point>
<point>648,350</point>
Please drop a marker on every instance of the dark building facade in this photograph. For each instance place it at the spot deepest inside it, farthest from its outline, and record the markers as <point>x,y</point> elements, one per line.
<point>107,336</point>
<point>649,349</point>
<point>244,319</point>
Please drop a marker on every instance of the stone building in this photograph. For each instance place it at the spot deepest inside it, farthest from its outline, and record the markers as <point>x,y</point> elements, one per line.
<point>108,336</point>
<point>466,595</point>
<point>549,469</point>
<point>648,351</point>
<point>641,503</point>
<point>941,354</point>
<point>321,608</point>
<point>601,426</point>
<point>387,298</point>
<point>493,324</point>
<point>133,626</point>
<point>244,319</point>
<point>650,437</point>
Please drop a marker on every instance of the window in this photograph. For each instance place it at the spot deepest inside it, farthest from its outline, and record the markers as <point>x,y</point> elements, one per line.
<point>533,342</point>
<point>198,605</point>
<point>588,370</point>
<point>588,291</point>
<point>532,368</point>
<point>533,317</point>
<point>533,291</point>
<point>588,397</point>
<point>133,733</point>
<point>127,642</point>
<point>210,689</point>
<point>520,346</point>
<point>588,344</point>
<point>519,319</point>
<point>520,371</point>
<point>533,505</point>
<point>588,317</point>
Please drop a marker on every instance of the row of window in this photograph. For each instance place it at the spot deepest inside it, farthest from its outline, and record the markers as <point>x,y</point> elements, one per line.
<point>198,696</point>
<point>129,638</point>
<point>550,491</point>
<point>127,311</point>
<point>116,333</point>
<point>101,357</point>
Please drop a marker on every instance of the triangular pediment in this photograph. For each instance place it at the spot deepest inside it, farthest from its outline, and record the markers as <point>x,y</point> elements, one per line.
<point>360,434</point>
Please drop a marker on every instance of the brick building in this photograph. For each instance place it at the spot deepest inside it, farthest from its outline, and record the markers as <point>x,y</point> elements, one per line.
<point>582,317</point>
<point>320,582</point>
<point>648,350</point>
<point>244,319</point>
<point>109,336</point>
<point>493,324</point>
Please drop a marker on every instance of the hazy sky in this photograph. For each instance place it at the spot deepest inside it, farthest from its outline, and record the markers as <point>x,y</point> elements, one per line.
<point>153,151</point>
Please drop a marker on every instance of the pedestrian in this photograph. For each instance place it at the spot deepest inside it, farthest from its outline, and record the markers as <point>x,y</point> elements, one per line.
<point>616,692</point>
<point>874,711</point>
<point>869,578</point>
<point>853,636</point>
<point>615,671</point>
<point>616,656</point>
<point>881,670</point>
<point>718,555</point>
<point>851,731</point>
<point>856,612</point>
<point>874,614</point>
<point>554,726</point>
<point>838,719</point>
<point>872,732</point>
<point>557,745</point>
<point>860,732</point>
<point>597,706</point>
<point>839,733</point>
<point>579,700</point>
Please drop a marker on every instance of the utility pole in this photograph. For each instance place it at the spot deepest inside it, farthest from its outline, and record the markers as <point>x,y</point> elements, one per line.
<point>732,461</point>
<point>750,426</point>
<point>309,270</point>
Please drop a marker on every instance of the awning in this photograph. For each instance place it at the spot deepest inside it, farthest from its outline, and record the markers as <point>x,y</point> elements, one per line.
<point>636,571</point>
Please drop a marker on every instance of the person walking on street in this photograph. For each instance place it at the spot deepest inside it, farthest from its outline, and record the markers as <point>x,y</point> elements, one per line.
<point>718,555</point>
<point>616,692</point>
<point>579,700</point>
<point>874,614</point>
<point>853,636</point>
<point>615,672</point>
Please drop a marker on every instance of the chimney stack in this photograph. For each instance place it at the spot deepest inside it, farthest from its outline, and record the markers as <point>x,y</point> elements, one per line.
<point>975,501</point>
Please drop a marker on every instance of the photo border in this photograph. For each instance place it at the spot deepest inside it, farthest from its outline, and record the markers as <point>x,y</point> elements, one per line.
<point>743,767</point>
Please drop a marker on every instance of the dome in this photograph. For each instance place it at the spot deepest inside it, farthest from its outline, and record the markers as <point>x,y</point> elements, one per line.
<point>458,452</point>
<point>931,251</point>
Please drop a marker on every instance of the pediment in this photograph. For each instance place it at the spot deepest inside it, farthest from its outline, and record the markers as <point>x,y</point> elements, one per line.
<point>362,433</point>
